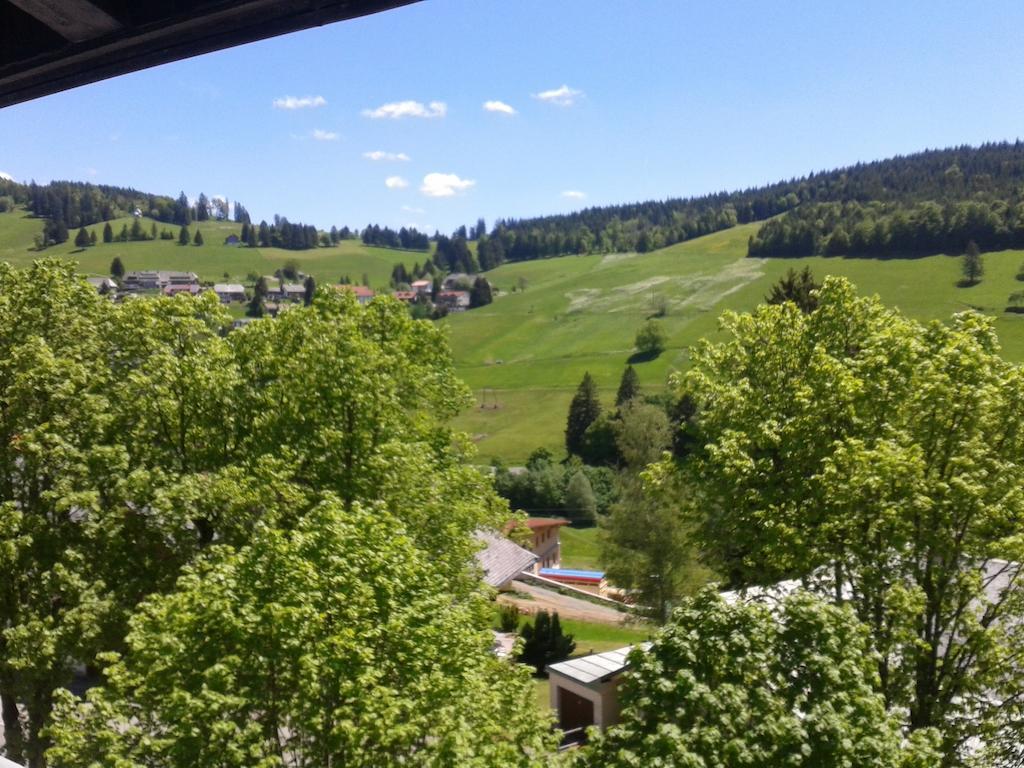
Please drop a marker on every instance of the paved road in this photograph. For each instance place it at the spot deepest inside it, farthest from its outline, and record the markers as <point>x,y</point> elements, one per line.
<point>567,607</point>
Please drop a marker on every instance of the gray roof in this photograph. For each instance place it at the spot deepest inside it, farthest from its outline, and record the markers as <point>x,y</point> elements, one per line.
<point>502,559</point>
<point>597,667</point>
<point>228,288</point>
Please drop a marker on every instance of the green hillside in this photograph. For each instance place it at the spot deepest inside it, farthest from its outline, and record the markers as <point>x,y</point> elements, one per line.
<point>211,261</point>
<point>528,350</point>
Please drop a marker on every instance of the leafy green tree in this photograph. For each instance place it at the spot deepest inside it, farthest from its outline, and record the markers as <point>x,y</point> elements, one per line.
<point>82,238</point>
<point>108,233</point>
<point>184,237</point>
<point>263,653</point>
<point>583,410</point>
<point>544,642</point>
<point>580,503</point>
<point>647,544</point>
<point>798,288</point>
<point>629,387</point>
<point>116,268</point>
<point>599,447</point>
<point>198,239</point>
<point>880,460</point>
<point>746,684</point>
<point>290,270</point>
<point>972,266</point>
<point>650,339</point>
<point>642,433</point>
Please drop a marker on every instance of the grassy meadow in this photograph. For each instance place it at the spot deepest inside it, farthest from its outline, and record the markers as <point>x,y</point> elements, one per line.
<point>524,354</point>
<point>211,261</point>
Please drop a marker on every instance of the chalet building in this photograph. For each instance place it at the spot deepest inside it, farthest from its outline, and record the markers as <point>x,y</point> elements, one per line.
<point>454,301</point>
<point>173,290</point>
<point>501,559</point>
<point>228,292</point>
<point>363,294</point>
<point>103,285</point>
<point>158,279</point>
<point>544,542</point>
<point>407,296</point>
<point>422,287</point>
<point>293,291</point>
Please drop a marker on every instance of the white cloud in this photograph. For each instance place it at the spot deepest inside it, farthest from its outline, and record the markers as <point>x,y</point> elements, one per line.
<point>444,185</point>
<point>400,109</point>
<point>412,209</point>
<point>563,97</point>
<point>499,106</point>
<point>299,102</point>
<point>574,194</point>
<point>395,182</point>
<point>6,176</point>
<point>379,154</point>
<point>321,135</point>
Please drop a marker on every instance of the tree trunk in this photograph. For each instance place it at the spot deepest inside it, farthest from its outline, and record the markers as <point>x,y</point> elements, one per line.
<point>13,733</point>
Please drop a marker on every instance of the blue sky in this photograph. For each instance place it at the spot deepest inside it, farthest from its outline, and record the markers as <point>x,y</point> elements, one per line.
<point>661,99</point>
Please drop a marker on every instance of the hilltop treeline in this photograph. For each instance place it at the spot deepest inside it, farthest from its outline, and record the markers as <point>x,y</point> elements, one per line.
<point>935,201</point>
<point>408,238</point>
<point>932,200</point>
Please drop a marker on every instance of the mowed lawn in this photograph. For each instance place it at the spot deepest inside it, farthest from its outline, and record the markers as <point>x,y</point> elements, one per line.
<point>524,355</point>
<point>213,261</point>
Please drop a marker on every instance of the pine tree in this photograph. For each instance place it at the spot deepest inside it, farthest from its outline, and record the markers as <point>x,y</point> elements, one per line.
<point>184,238</point>
<point>82,238</point>
<point>973,268</point>
<point>256,308</point>
<point>92,237</point>
<point>583,411</point>
<point>797,288</point>
<point>152,231</point>
<point>198,239</point>
<point>123,234</point>
<point>480,294</point>
<point>310,287</point>
<point>629,387</point>
<point>108,233</point>
<point>116,268</point>
<point>544,642</point>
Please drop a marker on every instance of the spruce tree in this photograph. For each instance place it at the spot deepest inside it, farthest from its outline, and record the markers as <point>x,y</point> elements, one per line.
<point>544,642</point>
<point>82,238</point>
<point>973,268</point>
<point>92,237</point>
<point>116,268</point>
<point>198,239</point>
<point>123,235</point>
<point>310,287</point>
<point>583,411</point>
<point>629,387</point>
<point>256,308</point>
<point>795,287</point>
<point>184,238</point>
<point>108,233</point>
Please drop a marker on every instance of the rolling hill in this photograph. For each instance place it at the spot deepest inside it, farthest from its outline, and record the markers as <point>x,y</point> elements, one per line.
<point>524,354</point>
<point>211,261</point>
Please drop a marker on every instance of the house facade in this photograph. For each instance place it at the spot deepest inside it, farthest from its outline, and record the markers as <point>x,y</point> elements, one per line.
<point>228,292</point>
<point>544,540</point>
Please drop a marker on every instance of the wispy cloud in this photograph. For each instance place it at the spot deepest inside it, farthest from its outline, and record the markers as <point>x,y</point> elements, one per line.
<point>574,194</point>
<point>395,182</point>
<point>379,154</point>
<point>321,135</point>
<point>499,106</point>
<point>412,209</point>
<point>6,176</point>
<point>444,185</point>
<point>563,97</point>
<point>399,109</point>
<point>299,102</point>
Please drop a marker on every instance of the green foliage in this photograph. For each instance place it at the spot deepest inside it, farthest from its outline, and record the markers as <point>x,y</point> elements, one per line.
<point>583,410</point>
<point>480,293</point>
<point>162,443</point>
<point>82,238</point>
<point>580,503</point>
<point>642,433</point>
<point>544,642</point>
<point>798,288</point>
<point>508,617</point>
<point>290,270</point>
<point>725,685</point>
<point>629,387</point>
<point>184,236</point>
<point>198,239</point>
<point>650,339</point>
<point>599,447</point>
<point>330,643</point>
<point>256,306</point>
<point>309,290</point>
<point>881,459</point>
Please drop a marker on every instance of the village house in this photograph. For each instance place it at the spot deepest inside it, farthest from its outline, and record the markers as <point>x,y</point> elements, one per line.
<point>228,292</point>
<point>422,287</point>
<point>454,301</point>
<point>158,279</point>
<point>501,559</point>
<point>173,290</point>
<point>544,540</point>
<point>407,296</point>
<point>103,285</point>
<point>363,294</point>
<point>293,291</point>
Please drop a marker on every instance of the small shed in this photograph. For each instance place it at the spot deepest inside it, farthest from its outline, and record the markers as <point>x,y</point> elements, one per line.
<point>584,690</point>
